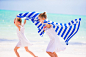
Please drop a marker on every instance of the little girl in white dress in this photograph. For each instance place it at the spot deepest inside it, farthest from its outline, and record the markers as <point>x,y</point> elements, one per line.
<point>54,44</point>
<point>23,41</point>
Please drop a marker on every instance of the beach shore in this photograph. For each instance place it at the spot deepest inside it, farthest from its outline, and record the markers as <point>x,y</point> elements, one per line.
<point>39,48</point>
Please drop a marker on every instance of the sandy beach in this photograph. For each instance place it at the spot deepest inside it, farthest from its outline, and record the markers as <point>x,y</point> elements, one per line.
<point>39,48</point>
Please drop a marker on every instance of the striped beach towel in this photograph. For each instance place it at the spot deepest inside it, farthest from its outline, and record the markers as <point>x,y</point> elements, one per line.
<point>64,30</point>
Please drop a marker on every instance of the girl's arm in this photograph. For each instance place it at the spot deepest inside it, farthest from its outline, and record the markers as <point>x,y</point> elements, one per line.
<point>48,25</point>
<point>24,22</point>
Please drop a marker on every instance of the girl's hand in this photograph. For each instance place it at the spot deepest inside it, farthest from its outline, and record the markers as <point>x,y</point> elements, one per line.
<point>48,25</point>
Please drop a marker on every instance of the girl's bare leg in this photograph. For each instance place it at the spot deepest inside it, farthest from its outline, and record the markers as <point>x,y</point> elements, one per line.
<point>55,54</point>
<point>15,50</point>
<point>26,48</point>
<point>51,54</point>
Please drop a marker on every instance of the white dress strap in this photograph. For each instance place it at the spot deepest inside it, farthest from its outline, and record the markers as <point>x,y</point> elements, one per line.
<point>23,25</point>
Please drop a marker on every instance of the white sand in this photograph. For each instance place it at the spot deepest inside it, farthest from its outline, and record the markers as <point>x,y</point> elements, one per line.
<point>7,50</point>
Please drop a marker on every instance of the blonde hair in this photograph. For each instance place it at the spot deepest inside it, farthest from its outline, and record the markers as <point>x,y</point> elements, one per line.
<point>43,15</point>
<point>19,20</point>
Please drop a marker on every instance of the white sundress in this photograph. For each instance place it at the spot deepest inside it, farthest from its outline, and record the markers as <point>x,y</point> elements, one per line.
<point>23,41</point>
<point>54,44</point>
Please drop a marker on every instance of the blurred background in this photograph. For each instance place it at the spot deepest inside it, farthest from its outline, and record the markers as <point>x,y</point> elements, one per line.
<point>60,11</point>
<point>76,7</point>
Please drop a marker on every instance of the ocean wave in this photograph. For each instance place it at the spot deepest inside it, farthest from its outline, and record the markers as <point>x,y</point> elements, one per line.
<point>77,43</point>
<point>7,40</point>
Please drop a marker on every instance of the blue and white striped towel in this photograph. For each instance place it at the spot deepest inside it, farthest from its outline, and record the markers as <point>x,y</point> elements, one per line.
<point>66,30</point>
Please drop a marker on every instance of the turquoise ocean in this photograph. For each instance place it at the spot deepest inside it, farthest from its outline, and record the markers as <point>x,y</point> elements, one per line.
<point>8,29</point>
